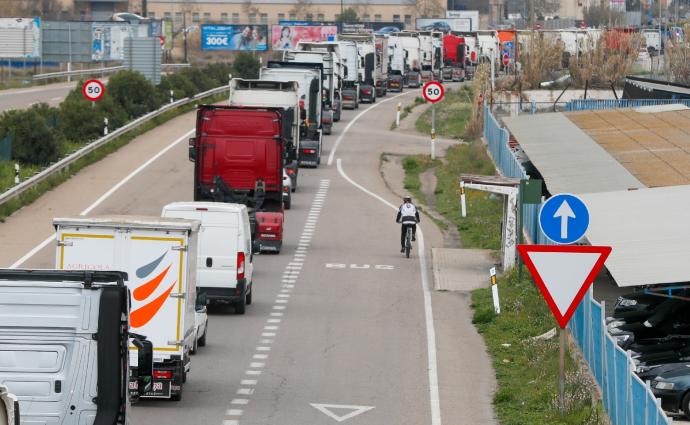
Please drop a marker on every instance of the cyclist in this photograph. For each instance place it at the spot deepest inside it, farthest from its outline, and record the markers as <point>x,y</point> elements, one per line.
<point>408,216</point>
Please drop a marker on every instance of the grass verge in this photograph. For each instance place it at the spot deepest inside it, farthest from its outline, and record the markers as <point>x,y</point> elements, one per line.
<point>414,166</point>
<point>527,369</point>
<point>37,191</point>
<point>407,109</point>
<point>452,114</point>
<point>482,226</point>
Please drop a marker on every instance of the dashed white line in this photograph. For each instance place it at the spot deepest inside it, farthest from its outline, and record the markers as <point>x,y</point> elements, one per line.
<point>271,328</point>
<point>245,391</point>
<point>263,348</point>
<point>240,401</point>
<point>268,334</point>
<point>257,365</point>
<point>234,412</point>
<point>273,320</point>
<point>260,356</point>
<point>253,372</point>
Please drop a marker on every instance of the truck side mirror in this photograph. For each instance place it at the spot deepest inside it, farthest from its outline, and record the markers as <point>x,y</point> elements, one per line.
<point>192,149</point>
<point>144,363</point>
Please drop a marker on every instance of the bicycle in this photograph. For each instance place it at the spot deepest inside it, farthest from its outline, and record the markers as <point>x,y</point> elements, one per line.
<point>408,241</point>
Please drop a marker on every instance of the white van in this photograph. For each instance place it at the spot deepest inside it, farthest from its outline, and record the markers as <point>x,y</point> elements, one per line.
<point>225,250</point>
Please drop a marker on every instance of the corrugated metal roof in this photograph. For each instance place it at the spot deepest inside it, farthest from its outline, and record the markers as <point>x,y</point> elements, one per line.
<point>649,232</point>
<point>568,159</point>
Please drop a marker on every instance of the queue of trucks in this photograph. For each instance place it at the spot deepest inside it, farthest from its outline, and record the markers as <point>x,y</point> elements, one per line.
<point>123,312</point>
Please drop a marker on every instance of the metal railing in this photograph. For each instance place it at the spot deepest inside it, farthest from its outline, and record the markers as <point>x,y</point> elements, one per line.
<point>80,153</point>
<point>95,71</point>
<point>627,399</point>
<point>594,105</point>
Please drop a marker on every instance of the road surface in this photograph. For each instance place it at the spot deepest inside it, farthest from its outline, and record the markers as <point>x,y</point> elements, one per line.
<point>52,94</point>
<point>343,328</point>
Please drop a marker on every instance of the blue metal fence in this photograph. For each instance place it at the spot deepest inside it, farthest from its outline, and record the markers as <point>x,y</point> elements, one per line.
<point>594,104</point>
<point>627,399</point>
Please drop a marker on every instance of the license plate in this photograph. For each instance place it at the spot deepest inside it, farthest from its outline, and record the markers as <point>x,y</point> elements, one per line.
<point>159,389</point>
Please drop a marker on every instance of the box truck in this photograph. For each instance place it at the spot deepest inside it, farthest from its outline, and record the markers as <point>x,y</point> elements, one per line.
<point>63,351</point>
<point>351,64</point>
<point>159,255</point>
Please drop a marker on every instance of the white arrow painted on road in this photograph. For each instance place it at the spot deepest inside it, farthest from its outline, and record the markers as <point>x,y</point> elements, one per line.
<point>564,212</point>
<point>352,411</point>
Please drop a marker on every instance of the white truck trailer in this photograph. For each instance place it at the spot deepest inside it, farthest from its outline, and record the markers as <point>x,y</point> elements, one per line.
<point>351,64</point>
<point>412,46</point>
<point>64,348</point>
<point>159,255</point>
<point>397,57</point>
<point>329,102</point>
<point>333,70</point>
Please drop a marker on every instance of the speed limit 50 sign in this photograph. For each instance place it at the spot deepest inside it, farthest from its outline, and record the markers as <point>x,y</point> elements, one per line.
<point>433,91</point>
<point>93,90</point>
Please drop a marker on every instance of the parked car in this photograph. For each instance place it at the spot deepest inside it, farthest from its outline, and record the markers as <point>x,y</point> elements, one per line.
<point>224,259</point>
<point>132,18</point>
<point>287,191</point>
<point>672,386</point>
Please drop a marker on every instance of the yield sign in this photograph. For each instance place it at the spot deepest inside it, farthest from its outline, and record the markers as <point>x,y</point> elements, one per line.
<point>346,411</point>
<point>564,273</point>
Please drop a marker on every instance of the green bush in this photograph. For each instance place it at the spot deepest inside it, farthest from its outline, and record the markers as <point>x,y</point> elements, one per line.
<point>245,66</point>
<point>219,72</point>
<point>134,93</point>
<point>34,141</point>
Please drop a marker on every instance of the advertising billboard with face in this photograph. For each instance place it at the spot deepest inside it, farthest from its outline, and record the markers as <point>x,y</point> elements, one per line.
<point>284,37</point>
<point>234,37</point>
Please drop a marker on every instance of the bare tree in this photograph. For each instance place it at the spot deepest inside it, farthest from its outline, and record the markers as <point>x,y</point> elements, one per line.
<point>677,61</point>
<point>601,14</point>
<point>302,8</point>
<point>425,8</point>
<point>539,58</point>
<point>249,7</point>
<point>46,9</point>
<point>609,61</point>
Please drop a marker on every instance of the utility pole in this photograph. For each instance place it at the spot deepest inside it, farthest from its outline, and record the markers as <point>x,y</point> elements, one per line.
<point>144,8</point>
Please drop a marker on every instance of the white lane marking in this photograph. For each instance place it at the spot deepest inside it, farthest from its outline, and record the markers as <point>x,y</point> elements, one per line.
<point>273,321</point>
<point>260,357</point>
<point>266,341</point>
<point>230,422</point>
<point>276,314</point>
<point>354,120</point>
<point>278,307</point>
<point>257,365</point>
<point>253,372</point>
<point>245,391</point>
<point>282,301</point>
<point>286,290</point>
<point>263,348</point>
<point>353,410</point>
<point>284,295</point>
<point>240,401</point>
<point>268,334</point>
<point>271,328</point>
<point>248,382</point>
<point>432,366</point>
<point>234,412</point>
<point>56,98</point>
<point>103,197</point>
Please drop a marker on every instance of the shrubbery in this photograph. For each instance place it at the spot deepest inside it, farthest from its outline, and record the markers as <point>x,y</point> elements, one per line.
<point>42,134</point>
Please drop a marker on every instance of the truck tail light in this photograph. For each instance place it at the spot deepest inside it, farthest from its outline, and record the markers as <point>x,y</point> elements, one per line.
<point>162,374</point>
<point>286,189</point>
<point>309,150</point>
<point>240,265</point>
<point>301,103</point>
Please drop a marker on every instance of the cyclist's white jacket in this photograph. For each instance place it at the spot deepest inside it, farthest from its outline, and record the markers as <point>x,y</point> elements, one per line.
<point>408,214</point>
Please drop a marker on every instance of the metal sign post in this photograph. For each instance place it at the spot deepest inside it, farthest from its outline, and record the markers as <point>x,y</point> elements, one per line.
<point>433,131</point>
<point>433,92</point>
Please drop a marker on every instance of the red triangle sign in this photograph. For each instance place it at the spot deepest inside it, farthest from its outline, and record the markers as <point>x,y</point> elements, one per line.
<point>564,273</point>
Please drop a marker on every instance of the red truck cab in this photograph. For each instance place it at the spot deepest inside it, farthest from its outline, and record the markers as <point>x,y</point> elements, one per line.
<point>239,154</point>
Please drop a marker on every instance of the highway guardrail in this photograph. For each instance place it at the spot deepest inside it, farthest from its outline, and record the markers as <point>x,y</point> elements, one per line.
<point>96,71</point>
<point>81,152</point>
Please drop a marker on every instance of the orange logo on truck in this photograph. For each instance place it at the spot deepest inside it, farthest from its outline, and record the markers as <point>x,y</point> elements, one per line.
<point>145,313</point>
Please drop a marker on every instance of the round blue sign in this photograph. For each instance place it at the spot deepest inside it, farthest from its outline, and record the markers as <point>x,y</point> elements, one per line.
<point>564,218</point>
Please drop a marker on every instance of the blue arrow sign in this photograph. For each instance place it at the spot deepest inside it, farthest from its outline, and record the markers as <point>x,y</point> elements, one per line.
<point>564,218</point>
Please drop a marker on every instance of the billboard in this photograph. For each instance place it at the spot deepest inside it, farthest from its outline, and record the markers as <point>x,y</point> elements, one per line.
<point>472,15</point>
<point>445,25</point>
<point>384,27</point>
<point>20,37</point>
<point>285,37</point>
<point>108,40</point>
<point>234,37</point>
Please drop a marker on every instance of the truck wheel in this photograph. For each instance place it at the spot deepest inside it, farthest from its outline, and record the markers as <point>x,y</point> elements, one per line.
<point>176,396</point>
<point>288,203</point>
<point>241,306</point>
<point>202,340</point>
